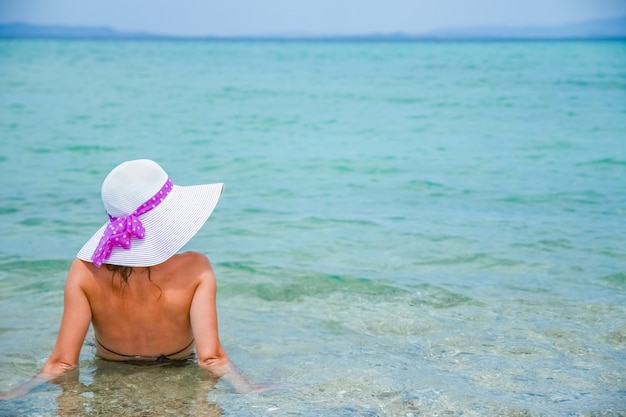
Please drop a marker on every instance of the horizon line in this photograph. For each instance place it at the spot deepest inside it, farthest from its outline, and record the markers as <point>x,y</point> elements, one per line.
<point>21,30</point>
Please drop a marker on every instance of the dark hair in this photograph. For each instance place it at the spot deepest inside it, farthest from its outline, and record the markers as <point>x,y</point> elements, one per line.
<point>125,272</point>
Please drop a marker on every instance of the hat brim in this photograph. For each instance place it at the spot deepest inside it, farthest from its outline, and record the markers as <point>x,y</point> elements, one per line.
<point>169,226</point>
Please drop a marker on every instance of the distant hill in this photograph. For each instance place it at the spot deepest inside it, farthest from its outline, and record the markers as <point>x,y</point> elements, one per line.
<point>592,29</point>
<point>23,30</point>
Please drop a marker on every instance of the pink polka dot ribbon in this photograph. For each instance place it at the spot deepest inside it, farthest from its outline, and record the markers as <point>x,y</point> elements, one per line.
<point>120,230</point>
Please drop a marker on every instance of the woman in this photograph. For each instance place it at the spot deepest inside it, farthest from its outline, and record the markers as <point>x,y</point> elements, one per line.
<point>144,301</point>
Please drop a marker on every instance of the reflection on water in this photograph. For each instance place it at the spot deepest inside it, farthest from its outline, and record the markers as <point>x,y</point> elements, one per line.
<point>123,389</point>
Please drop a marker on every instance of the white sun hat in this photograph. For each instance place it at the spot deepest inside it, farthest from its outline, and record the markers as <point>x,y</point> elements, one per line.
<point>150,218</point>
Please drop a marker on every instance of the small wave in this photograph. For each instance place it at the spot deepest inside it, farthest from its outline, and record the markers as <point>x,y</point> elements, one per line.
<point>34,278</point>
<point>238,266</point>
<point>87,149</point>
<point>583,197</point>
<point>8,210</point>
<point>434,189</point>
<point>424,184</point>
<point>481,260</point>
<point>404,100</point>
<point>438,297</point>
<point>40,266</point>
<point>320,221</point>
<point>604,162</point>
<point>41,150</point>
<point>291,285</point>
<point>282,285</point>
<point>618,279</point>
<point>546,245</point>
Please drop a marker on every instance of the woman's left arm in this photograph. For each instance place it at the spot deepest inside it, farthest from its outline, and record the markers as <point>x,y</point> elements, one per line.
<point>74,326</point>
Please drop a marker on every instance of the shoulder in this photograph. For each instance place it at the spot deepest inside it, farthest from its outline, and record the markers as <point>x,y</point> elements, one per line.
<point>193,257</point>
<point>80,276</point>
<point>191,261</point>
<point>193,265</point>
<point>80,271</point>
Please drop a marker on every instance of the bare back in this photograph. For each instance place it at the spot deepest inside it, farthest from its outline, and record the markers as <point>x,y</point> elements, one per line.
<point>147,316</point>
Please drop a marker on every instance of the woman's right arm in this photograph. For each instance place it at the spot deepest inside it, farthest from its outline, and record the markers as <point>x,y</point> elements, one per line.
<point>74,326</point>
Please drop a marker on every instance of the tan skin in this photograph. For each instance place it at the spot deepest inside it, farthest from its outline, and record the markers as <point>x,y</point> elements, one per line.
<point>158,311</point>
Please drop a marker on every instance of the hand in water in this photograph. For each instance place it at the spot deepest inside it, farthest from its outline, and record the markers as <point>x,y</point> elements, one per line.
<point>261,388</point>
<point>26,387</point>
<point>14,393</point>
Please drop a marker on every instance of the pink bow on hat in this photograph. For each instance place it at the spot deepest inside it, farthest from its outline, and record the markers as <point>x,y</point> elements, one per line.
<point>120,230</point>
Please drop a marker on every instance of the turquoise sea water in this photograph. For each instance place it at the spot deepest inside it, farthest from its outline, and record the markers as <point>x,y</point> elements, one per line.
<point>408,229</point>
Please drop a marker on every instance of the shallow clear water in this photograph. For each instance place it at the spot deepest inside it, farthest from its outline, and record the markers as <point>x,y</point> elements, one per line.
<point>407,228</point>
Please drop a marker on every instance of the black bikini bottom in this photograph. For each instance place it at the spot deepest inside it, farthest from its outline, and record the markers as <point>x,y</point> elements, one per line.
<point>147,359</point>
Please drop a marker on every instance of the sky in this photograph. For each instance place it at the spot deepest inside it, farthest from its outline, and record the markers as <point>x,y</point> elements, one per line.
<point>310,17</point>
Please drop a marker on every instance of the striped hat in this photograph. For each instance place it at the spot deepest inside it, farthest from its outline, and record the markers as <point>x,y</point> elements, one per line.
<point>150,218</point>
